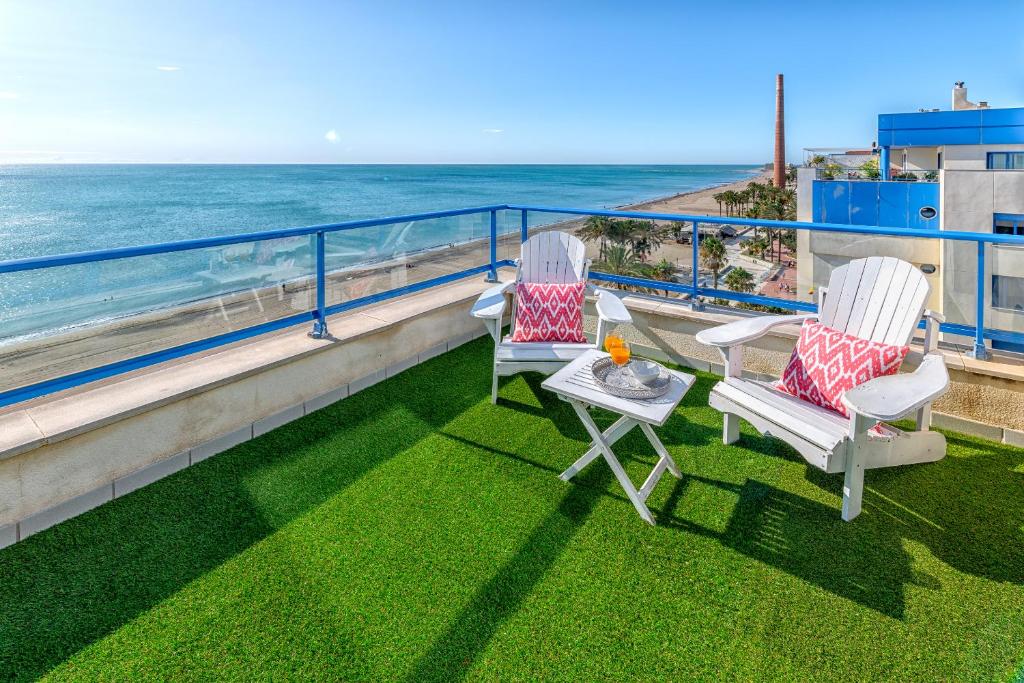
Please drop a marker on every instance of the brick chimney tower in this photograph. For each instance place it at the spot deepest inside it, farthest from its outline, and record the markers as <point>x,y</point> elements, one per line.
<point>779,179</point>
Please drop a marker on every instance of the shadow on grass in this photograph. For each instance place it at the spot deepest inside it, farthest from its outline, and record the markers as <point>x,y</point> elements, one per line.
<point>454,652</point>
<point>967,509</point>
<point>75,583</point>
<point>862,562</point>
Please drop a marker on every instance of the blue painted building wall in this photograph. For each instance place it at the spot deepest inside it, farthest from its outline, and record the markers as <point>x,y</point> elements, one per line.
<point>965,127</point>
<point>895,204</point>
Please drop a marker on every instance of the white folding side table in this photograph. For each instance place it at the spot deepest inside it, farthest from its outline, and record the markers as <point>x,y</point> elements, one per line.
<point>575,383</point>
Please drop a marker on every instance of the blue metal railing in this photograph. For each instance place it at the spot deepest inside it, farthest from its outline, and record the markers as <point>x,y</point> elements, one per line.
<point>320,313</point>
<point>979,332</point>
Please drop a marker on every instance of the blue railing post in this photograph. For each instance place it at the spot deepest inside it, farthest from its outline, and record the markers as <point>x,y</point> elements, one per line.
<point>695,303</point>
<point>320,323</point>
<point>524,228</point>
<point>492,273</point>
<point>979,315</point>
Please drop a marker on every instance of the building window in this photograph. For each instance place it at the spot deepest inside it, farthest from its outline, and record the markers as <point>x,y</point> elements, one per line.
<point>1008,292</point>
<point>1008,224</point>
<point>1005,161</point>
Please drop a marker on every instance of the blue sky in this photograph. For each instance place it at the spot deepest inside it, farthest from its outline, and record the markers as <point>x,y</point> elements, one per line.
<point>481,82</point>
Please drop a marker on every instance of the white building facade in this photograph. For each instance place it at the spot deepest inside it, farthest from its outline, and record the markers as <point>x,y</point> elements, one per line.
<point>960,170</point>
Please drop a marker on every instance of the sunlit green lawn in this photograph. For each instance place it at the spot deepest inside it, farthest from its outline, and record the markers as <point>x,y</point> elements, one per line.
<point>415,531</point>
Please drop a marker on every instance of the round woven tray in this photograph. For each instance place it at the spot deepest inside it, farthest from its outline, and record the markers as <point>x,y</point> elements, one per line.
<point>620,382</point>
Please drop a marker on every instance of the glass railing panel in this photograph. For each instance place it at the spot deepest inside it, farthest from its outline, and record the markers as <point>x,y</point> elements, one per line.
<point>538,221</point>
<point>627,247</point>
<point>66,319</point>
<point>365,262</point>
<point>509,234</point>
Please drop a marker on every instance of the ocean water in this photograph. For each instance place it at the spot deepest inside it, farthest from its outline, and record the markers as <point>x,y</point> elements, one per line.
<point>53,209</point>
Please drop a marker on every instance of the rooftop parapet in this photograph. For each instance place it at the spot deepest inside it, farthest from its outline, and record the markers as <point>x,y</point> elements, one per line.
<point>963,127</point>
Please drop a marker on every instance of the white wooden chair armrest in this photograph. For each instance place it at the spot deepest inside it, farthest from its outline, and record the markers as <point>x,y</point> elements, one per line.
<point>610,308</point>
<point>892,397</point>
<point>491,304</point>
<point>748,329</point>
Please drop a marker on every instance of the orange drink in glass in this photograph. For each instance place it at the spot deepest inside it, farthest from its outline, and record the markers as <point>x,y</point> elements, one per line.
<point>620,353</point>
<point>611,341</point>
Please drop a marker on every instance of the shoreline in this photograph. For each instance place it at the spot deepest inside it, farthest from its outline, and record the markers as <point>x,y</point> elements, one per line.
<point>39,356</point>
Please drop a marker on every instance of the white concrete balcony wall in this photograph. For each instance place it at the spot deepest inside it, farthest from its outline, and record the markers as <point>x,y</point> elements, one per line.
<point>970,198</point>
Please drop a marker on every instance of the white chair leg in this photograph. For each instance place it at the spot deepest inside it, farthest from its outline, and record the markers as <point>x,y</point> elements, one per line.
<point>494,327</point>
<point>924,417</point>
<point>853,487</point>
<point>730,428</point>
<point>853,483</point>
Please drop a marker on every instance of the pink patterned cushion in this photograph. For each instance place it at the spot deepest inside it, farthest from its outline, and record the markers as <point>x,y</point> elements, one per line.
<point>827,363</point>
<point>549,312</point>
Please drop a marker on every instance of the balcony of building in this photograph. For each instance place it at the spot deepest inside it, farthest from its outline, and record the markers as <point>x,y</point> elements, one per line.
<point>236,496</point>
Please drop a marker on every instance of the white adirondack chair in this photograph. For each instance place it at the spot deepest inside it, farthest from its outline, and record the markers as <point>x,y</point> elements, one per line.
<point>881,299</point>
<point>545,257</point>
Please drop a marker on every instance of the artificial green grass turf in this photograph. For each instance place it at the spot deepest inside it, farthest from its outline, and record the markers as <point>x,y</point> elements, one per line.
<point>414,531</point>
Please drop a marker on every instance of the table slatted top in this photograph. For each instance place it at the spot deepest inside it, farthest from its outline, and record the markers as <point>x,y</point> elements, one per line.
<point>576,381</point>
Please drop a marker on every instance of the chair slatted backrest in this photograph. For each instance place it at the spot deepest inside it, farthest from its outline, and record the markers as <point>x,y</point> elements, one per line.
<point>553,257</point>
<point>876,298</point>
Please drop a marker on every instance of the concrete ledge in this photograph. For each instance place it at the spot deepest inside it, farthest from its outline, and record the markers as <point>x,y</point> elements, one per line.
<point>401,366</point>
<point>366,382</point>
<point>66,510</point>
<point>8,535</point>
<point>68,453</point>
<point>220,444</point>
<point>959,424</point>
<point>147,475</point>
<point>433,352</point>
<point>18,433</point>
<point>274,421</point>
<point>72,452</point>
<point>461,339</point>
<point>1013,437</point>
<point>327,399</point>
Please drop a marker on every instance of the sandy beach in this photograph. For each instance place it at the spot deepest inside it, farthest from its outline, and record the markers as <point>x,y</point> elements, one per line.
<point>698,203</point>
<point>34,360</point>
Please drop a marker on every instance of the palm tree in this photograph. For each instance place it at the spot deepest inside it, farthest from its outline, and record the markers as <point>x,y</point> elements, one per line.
<point>739,280</point>
<point>664,270</point>
<point>756,246</point>
<point>719,197</point>
<point>788,239</point>
<point>646,237</point>
<point>620,260</point>
<point>620,232</point>
<point>596,229</point>
<point>731,201</point>
<point>756,189</point>
<point>712,256</point>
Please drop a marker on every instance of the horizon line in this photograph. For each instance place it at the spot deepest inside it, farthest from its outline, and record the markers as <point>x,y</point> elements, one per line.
<point>377,163</point>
